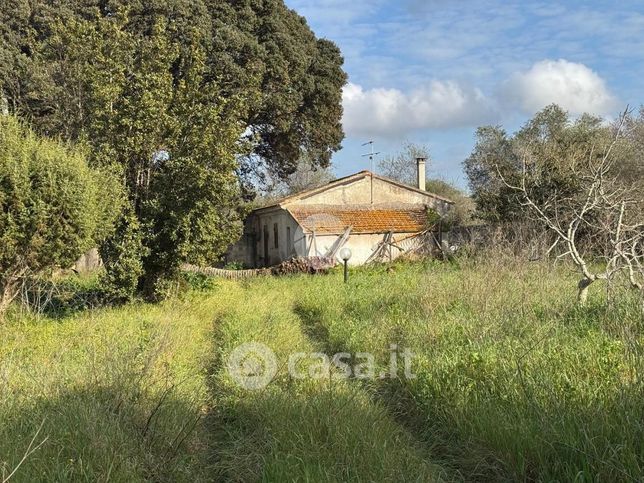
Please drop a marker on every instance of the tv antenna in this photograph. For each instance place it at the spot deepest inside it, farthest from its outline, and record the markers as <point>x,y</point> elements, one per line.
<point>371,155</point>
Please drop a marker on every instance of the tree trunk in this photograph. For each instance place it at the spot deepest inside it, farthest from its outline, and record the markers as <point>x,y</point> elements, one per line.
<point>6,297</point>
<point>583,286</point>
<point>4,105</point>
<point>9,290</point>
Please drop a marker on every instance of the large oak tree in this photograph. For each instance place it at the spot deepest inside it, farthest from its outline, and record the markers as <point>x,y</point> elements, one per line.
<point>193,101</point>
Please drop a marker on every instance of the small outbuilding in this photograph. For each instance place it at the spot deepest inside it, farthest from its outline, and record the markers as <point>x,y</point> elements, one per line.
<point>374,216</point>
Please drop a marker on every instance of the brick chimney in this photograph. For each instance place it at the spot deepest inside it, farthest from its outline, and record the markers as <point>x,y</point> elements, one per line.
<point>420,162</point>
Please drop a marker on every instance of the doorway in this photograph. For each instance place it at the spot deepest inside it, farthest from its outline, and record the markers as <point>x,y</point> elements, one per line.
<point>267,258</point>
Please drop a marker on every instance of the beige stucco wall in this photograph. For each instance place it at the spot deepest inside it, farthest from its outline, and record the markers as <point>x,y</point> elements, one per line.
<point>287,247</point>
<point>249,250</point>
<point>243,251</point>
<point>359,192</point>
<point>361,245</point>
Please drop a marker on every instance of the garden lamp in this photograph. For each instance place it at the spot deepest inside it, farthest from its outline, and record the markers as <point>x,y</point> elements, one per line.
<point>345,255</point>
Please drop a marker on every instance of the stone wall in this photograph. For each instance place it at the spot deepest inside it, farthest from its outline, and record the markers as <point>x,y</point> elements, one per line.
<point>88,262</point>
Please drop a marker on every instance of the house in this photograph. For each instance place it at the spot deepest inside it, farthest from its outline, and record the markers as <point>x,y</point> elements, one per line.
<point>365,212</point>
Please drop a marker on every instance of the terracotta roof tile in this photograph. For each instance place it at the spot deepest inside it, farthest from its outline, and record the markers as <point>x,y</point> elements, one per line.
<point>335,220</point>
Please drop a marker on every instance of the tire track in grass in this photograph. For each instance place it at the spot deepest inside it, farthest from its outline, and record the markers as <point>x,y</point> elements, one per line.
<point>392,394</point>
<point>461,402</point>
<point>298,429</point>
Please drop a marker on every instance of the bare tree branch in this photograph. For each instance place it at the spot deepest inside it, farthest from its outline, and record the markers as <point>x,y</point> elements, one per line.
<point>603,204</point>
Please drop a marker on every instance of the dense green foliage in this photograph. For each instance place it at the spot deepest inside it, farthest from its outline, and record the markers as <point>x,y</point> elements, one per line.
<point>122,256</point>
<point>53,207</point>
<point>463,208</point>
<point>512,383</point>
<point>257,50</point>
<point>190,100</point>
<point>550,146</point>
<point>555,151</point>
<point>297,78</point>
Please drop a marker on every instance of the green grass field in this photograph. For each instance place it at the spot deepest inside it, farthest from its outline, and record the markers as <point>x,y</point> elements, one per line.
<point>512,382</point>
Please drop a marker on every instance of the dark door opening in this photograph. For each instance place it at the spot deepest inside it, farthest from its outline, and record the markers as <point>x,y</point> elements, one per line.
<point>267,258</point>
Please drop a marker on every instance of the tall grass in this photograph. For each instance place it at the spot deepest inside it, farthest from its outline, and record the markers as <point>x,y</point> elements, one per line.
<point>513,382</point>
<point>118,392</point>
<point>141,393</point>
<point>301,430</point>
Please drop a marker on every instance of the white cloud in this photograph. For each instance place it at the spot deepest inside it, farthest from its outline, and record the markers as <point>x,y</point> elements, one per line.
<point>573,86</point>
<point>392,112</point>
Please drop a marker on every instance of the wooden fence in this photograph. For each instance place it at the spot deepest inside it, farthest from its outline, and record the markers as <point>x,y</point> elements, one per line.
<point>228,274</point>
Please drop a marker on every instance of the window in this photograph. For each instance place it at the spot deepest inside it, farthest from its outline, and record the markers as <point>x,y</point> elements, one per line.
<point>276,235</point>
<point>289,244</point>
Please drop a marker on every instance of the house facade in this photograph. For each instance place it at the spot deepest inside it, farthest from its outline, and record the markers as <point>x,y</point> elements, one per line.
<point>360,211</point>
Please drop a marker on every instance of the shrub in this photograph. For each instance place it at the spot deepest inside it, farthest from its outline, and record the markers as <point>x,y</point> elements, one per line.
<point>53,206</point>
<point>461,212</point>
<point>122,255</point>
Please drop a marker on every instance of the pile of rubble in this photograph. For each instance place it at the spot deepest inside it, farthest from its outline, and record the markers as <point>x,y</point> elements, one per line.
<point>311,265</point>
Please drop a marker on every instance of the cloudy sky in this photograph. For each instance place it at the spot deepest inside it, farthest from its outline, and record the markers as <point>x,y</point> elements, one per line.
<point>431,71</point>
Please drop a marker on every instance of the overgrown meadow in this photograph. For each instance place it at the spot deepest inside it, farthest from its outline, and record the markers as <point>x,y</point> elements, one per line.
<point>512,382</point>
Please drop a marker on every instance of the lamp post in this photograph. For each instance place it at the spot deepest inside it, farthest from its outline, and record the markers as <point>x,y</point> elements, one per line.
<point>345,254</point>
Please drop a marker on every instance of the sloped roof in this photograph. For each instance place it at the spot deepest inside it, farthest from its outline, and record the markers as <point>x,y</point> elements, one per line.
<point>336,219</point>
<point>346,180</point>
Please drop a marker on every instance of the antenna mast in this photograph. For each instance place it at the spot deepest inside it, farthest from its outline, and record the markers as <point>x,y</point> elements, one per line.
<point>371,155</point>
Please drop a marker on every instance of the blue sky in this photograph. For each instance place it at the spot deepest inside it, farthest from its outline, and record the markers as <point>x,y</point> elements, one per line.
<point>431,71</point>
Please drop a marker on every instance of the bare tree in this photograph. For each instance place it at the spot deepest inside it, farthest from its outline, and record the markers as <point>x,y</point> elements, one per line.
<point>306,176</point>
<point>604,206</point>
<point>402,166</point>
